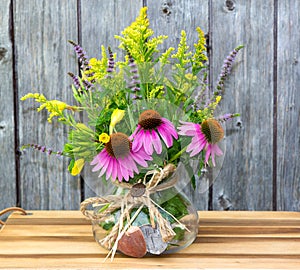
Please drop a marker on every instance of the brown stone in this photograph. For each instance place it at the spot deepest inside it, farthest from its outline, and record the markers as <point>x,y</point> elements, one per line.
<point>133,243</point>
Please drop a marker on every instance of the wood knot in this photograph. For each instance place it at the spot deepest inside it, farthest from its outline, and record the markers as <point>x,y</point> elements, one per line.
<point>3,52</point>
<point>229,5</point>
<point>166,8</point>
<point>2,125</point>
<point>239,123</point>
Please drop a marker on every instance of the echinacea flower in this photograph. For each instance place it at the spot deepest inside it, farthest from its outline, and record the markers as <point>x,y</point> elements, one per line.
<point>118,160</point>
<point>151,127</point>
<point>205,137</point>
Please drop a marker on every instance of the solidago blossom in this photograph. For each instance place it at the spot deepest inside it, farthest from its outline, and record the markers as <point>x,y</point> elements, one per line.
<point>208,111</point>
<point>54,107</point>
<point>164,58</point>
<point>97,68</point>
<point>136,39</point>
<point>199,57</point>
<point>183,54</point>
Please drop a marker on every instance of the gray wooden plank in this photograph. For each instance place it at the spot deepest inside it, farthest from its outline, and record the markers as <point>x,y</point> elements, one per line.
<point>170,18</point>
<point>246,175</point>
<point>44,57</point>
<point>7,128</point>
<point>288,106</point>
<point>109,19</point>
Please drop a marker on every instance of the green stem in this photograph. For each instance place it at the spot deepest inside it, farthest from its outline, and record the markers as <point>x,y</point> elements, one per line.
<point>178,154</point>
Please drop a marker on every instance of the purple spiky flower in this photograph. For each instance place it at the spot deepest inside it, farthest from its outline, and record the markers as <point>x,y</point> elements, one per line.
<point>81,55</point>
<point>44,149</point>
<point>75,80</point>
<point>227,116</point>
<point>226,69</point>
<point>111,63</point>
<point>135,80</point>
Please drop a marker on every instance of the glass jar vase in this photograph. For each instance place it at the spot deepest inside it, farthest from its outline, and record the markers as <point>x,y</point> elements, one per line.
<point>143,219</point>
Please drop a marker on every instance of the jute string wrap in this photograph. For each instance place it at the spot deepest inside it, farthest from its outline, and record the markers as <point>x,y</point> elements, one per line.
<point>138,196</point>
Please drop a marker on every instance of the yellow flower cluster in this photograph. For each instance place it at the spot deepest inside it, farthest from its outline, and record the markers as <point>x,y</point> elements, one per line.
<point>97,69</point>
<point>156,92</point>
<point>165,56</point>
<point>54,107</point>
<point>199,56</point>
<point>183,54</point>
<point>208,111</point>
<point>136,39</point>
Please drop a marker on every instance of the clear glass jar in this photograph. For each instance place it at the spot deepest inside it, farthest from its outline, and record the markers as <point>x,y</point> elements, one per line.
<point>174,207</point>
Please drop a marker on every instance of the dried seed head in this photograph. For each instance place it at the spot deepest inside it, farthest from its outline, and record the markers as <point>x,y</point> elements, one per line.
<point>149,119</point>
<point>119,146</point>
<point>212,130</point>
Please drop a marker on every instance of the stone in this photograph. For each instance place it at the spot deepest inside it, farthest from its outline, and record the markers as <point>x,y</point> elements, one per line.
<point>155,244</point>
<point>133,243</point>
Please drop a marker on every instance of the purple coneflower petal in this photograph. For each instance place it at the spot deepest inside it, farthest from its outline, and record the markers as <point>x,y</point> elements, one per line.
<point>150,130</point>
<point>156,142</point>
<point>147,142</point>
<point>199,142</point>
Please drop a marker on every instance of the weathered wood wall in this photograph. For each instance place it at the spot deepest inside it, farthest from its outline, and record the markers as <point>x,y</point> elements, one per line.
<point>261,170</point>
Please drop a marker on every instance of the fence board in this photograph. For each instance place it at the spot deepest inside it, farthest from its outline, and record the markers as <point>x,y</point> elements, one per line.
<point>170,18</point>
<point>246,175</point>
<point>42,29</point>
<point>43,57</point>
<point>288,79</point>
<point>110,19</point>
<point>7,128</point>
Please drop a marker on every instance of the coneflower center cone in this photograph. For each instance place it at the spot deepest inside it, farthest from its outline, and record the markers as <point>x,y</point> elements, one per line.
<point>149,119</point>
<point>212,130</point>
<point>119,146</point>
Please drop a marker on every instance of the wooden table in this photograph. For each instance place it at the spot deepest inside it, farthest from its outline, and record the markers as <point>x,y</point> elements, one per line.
<point>64,240</point>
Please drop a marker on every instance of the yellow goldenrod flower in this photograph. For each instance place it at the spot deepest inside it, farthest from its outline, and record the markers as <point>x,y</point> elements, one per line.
<point>199,56</point>
<point>78,165</point>
<point>116,117</point>
<point>38,97</point>
<point>54,107</point>
<point>165,56</point>
<point>136,39</point>
<point>218,99</point>
<point>104,138</point>
<point>183,54</point>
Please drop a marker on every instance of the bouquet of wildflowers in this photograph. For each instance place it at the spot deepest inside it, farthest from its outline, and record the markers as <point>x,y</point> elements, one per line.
<point>146,113</point>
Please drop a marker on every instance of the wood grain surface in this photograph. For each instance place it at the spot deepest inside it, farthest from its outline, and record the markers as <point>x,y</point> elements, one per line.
<point>7,116</point>
<point>288,74</point>
<point>261,167</point>
<point>226,240</point>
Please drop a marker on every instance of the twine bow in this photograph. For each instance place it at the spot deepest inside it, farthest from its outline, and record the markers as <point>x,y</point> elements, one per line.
<point>137,197</point>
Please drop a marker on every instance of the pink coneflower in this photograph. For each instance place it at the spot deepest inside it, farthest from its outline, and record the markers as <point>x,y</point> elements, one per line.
<point>118,160</point>
<point>151,127</point>
<point>205,137</point>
